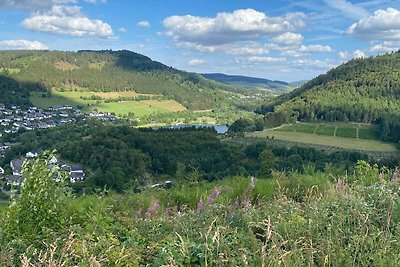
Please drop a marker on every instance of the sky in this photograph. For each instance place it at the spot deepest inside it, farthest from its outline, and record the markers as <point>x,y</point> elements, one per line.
<point>282,40</point>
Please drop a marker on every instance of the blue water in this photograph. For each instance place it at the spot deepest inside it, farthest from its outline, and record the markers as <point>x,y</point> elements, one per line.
<point>221,129</point>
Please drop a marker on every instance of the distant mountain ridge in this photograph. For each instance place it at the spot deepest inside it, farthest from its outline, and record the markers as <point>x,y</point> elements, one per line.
<point>239,80</point>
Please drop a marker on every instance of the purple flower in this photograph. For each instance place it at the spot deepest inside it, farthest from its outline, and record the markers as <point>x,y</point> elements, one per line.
<point>138,213</point>
<point>152,209</point>
<point>200,205</point>
<point>214,194</point>
<point>395,176</point>
<point>168,210</point>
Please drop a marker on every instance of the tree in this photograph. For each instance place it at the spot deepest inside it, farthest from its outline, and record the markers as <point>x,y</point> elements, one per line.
<point>267,159</point>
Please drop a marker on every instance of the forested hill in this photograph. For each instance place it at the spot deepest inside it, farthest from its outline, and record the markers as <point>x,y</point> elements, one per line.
<point>274,86</point>
<point>361,90</point>
<point>106,71</point>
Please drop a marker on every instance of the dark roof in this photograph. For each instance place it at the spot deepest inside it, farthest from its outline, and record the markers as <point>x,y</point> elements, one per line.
<point>14,178</point>
<point>17,163</point>
<point>78,175</point>
<point>76,168</point>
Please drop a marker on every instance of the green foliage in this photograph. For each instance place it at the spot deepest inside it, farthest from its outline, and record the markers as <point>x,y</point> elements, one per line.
<point>361,90</point>
<point>267,164</point>
<point>38,210</point>
<point>110,71</point>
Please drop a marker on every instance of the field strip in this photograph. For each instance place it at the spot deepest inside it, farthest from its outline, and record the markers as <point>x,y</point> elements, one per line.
<point>342,142</point>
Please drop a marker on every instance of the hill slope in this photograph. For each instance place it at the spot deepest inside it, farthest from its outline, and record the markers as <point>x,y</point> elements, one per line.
<point>362,90</point>
<point>108,71</point>
<point>251,82</point>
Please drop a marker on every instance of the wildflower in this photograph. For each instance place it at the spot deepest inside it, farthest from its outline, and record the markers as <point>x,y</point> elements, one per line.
<point>168,210</point>
<point>152,209</point>
<point>395,176</point>
<point>200,205</point>
<point>214,194</point>
<point>138,213</point>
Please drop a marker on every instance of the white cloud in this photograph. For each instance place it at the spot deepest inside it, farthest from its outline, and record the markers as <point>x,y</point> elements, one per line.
<point>299,51</point>
<point>348,9</point>
<point>196,62</point>
<point>344,55</point>
<point>96,1</point>
<point>359,54</point>
<point>67,20</point>
<point>382,25</point>
<point>41,4</point>
<point>315,49</point>
<point>32,4</point>
<point>122,29</point>
<point>226,28</point>
<point>316,64</point>
<point>266,59</point>
<point>22,45</point>
<point>246,50</point>
<point>385,47</point>
<point>288,38</point>
<point>144,24</point>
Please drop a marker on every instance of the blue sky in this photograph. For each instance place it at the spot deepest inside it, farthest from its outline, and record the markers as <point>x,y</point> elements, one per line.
<point>285,40</point>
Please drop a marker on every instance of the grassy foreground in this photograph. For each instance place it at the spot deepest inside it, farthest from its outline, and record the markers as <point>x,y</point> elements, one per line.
<point>312,219</point>
<point>335,141</point>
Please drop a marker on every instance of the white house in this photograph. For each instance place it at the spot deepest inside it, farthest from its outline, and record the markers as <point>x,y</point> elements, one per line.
<point>1,170</point>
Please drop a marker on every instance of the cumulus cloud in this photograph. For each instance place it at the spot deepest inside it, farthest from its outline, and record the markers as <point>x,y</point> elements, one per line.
<point>382,25</point>
<point>22,45</point>
<point>246,50</point>
<point>196,62</point>
<point>32,4</point>
<point>40,4</point>
<point>385,47</point>
<point>266,59</point>
<point>316,64</point>
<point>315,49</point>
<point>122,29</point>
<point>359,54</point>
<point>144,24</point>
<point>226,28</point>
<point>67,20</point>
<point>288,38</point>
<point>344,55</point>
<point>348,9</point>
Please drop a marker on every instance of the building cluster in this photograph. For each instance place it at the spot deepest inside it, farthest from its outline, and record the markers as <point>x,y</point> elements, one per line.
<point>75,172</point>
<point>102,116</point>
<point>14,118</point>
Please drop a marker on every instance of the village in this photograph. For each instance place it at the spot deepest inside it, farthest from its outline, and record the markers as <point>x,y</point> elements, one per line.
<point>14,119</point>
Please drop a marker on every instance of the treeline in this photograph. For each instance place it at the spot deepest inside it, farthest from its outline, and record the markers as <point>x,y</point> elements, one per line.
<point>122,158</point>
<point>362,90</point>
<point>113,71</point>
<point>16,93</point>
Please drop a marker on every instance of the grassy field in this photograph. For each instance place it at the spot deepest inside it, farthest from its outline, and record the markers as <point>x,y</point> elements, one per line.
<point>334,141</point>
<point>75,99</point>
<point>349,130</point>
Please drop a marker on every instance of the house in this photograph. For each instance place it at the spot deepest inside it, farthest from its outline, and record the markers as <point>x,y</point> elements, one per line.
<point>32,154</point>
<point>77,177</point>
<point>14,180</point>
<point>1,171</point>
<point>16,166</point>
<point>76,174</point>
<point>53,160</point>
